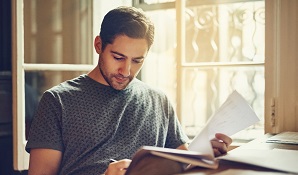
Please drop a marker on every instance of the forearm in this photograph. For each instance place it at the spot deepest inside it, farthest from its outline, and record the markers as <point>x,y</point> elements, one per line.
<point>44,162</point>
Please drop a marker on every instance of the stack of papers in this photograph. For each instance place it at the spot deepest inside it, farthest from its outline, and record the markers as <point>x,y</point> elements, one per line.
<point>276,159</point>
<point>284,137</point>
<point>248,172</point>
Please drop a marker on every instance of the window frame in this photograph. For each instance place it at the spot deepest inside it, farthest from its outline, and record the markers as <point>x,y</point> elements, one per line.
<point>20,156</point>
<point>281,85</point>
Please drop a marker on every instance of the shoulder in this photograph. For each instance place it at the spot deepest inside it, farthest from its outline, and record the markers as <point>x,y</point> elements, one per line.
<point>68,88</point>
<point>72,85</point>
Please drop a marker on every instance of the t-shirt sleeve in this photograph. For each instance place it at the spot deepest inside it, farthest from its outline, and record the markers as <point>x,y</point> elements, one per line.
<point>45,131</point>
<point>175,135</point>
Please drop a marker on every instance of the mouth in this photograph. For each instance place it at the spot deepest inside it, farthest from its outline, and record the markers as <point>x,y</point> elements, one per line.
<point>121,80</point>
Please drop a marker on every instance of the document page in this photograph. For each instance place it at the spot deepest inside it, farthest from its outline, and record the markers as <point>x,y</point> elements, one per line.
<point>234,115</point>
<point>277,159</point>
<point>284,137</point>
<point>248,172</point>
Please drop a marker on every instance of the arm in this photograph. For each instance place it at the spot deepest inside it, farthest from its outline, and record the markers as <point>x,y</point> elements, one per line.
<point>44,161</point>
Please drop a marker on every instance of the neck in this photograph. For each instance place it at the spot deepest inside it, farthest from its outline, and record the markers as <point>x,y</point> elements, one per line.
<point>96,75</point>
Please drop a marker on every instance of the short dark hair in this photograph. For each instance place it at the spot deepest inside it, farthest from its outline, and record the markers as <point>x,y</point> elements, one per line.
<point>128,21</point>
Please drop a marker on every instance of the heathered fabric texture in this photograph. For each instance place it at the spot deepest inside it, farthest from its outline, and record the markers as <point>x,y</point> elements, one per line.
<point>91,123</point>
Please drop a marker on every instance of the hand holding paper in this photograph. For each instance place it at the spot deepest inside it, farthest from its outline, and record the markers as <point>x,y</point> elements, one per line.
<point>234,115</point>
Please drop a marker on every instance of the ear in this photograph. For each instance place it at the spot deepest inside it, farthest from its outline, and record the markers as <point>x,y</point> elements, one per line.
<point>97,44</point>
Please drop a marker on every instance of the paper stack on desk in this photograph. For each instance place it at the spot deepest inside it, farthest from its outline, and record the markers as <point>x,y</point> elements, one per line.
<point>285,138</point>
<point>276,159</point>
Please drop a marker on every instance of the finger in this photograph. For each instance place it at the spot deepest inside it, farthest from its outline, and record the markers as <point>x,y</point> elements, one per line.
<point>216,152</point>
<point>118,167</point>
<point>121,164</point>
<point>226,139</point>
<point>219,147</point>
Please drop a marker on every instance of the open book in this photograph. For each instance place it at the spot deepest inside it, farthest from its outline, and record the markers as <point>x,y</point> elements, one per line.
<point>234,115</point>
<point>189,158</point>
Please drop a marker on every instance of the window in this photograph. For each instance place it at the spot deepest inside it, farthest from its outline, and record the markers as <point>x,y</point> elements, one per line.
<point>220,48</point>
<point>55,45</point>
<point>55,50</point>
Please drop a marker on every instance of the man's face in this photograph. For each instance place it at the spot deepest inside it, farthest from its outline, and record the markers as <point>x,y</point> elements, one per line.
<point>121,61</point>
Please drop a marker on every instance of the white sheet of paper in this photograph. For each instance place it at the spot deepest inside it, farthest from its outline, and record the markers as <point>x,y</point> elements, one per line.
<point>277,159</point>
<point>234,115</point>
<point>248,172</point>
<point>284,137</point>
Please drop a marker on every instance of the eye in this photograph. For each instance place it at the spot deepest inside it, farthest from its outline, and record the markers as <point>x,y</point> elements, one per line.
<point>118,58</point>
<point>138,61</point>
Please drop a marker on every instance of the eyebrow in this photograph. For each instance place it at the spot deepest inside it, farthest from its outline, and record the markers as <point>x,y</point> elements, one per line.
<point>120,54</point>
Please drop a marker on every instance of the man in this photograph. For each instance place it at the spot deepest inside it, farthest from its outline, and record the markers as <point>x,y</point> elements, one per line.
<point>106,114</point>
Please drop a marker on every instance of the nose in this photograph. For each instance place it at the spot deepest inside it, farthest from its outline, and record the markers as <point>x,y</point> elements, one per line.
<point>124,70</point>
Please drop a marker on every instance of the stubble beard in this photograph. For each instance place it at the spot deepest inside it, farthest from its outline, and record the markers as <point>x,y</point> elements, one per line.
<point>113,84</point>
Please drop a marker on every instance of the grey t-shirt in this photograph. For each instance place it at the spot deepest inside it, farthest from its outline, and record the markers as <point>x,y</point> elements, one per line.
<point>91,123</point>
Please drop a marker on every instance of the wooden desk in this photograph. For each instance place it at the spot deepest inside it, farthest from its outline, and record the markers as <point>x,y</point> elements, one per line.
<point>259,143</point>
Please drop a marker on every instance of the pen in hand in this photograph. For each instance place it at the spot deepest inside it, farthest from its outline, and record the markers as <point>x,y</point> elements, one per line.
<point>112,160</point>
